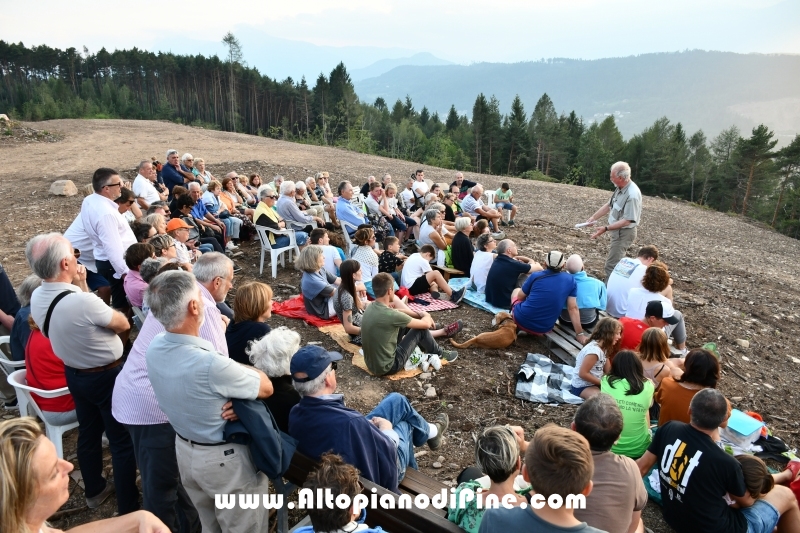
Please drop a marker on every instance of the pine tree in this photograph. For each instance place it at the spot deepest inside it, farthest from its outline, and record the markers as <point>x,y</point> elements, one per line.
<point>453,119</point>
<point>757,156</point>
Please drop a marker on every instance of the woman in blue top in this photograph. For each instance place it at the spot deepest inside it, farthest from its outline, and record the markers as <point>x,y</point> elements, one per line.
<point>317,284</point>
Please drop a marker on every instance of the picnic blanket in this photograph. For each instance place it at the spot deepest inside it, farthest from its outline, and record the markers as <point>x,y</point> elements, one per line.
<point>541,380</point>
<point>474,298</point>
<point>434,304</point>
<point>294,308</point>
<point>337,333</point>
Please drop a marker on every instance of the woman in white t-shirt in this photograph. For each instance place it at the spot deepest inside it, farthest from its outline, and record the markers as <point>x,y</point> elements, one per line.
<point>592,362</point>
<point>364,253</point>
<point>482,261</point>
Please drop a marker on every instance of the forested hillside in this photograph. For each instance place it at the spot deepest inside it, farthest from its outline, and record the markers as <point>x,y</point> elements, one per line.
<point>736,171</point>
<point>701,89</point>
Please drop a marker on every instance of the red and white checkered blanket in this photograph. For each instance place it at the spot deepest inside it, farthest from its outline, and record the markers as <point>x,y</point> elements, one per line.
<point>435,305</point>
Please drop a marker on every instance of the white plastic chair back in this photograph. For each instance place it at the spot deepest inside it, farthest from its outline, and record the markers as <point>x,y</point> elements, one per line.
<point>54,433</point>
<point>275,254</point>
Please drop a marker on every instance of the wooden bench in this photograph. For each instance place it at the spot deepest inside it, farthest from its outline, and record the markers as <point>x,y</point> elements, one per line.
<point>413,520</point>
<point>447,273</point>
<point>564,345</point>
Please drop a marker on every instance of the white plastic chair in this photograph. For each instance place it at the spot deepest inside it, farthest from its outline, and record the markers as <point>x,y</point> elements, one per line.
<point>346,229</point>
<point>506,213</point>
<point>7,366</point>
<point>275,254</point>
<point>489,198</point>
<point>54,433</point>
<point>298,226</point>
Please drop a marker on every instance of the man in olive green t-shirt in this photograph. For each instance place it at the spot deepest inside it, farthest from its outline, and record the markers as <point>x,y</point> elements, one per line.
<point>389,336</point>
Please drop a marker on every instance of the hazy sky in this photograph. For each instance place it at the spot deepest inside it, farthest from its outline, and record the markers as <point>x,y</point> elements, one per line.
<point>461,31</point>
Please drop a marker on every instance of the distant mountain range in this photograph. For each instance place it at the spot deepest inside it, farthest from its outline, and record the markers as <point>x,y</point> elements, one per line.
<point>281,58</point>
<point>702,90</point>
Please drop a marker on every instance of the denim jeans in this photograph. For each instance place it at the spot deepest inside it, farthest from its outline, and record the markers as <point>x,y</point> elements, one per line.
<point>118,298</point>
<point>92,393</point>
<point>398,224</point>
<point>412,429</point>
<point>162,490</point>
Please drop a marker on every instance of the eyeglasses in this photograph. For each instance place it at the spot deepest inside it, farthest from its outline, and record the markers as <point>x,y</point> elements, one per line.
<point>76,253</point>
<point>189,160</point>
<point>118,184</point>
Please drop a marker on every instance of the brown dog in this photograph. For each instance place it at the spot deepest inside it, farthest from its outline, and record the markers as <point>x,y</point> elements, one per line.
<point>504,335</point>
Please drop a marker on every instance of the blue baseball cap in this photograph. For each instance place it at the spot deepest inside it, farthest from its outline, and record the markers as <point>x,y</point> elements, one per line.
<point>312,361</point>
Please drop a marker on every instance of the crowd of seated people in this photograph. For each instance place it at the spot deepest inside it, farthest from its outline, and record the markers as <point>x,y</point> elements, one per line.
<point>197,366</point>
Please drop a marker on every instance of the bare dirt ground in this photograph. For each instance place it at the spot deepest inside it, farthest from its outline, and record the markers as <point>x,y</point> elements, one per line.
<point>733,279</point>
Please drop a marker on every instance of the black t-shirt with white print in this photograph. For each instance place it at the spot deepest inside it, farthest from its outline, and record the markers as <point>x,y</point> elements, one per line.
<point>695,475</point>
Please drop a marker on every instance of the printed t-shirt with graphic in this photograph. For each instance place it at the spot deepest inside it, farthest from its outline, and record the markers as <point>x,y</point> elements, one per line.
<point>695,474</point>
<point>627,275</point>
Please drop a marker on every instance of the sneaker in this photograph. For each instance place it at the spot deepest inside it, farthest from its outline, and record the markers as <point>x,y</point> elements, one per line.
<point>499,236</point>
<point>442,423</point>
<point>449,355</point>
<point>438,295</point>
<point>511,223</point>
<point>96,501</point>
<point>503,223</point>
<point>12,405</point>
<point>231,246</point>
<point>453,328</point>
<point>458,295</point>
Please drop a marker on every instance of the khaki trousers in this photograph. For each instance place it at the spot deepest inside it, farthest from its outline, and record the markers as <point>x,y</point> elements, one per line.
<point>224,469</point>
<point>621,240</point>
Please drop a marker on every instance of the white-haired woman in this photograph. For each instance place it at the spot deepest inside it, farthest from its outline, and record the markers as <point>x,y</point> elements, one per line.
<point>272,354</point>
<point>461,252</point>
<point>187,162</point>
<point>202,173</point>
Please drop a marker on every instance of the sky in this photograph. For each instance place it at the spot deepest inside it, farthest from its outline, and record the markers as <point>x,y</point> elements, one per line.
<point>294,38</point>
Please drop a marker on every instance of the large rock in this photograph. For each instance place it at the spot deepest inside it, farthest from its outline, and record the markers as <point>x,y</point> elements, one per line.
<point>63,188</point>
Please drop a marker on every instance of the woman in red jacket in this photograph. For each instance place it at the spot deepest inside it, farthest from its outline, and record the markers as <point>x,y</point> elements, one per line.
<point>46,371</point>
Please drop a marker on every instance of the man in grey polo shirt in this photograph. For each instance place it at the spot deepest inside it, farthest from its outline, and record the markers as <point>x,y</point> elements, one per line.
<point>84,334</point>
<point>193,384</point>
<point>624,212</point>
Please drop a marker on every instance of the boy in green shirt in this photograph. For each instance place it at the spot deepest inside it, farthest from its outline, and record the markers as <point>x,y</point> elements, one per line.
<point>503,198</point>
<point>389,336</point>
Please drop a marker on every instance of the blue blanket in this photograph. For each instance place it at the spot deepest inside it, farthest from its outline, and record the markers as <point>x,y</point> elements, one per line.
<point>474,298</point>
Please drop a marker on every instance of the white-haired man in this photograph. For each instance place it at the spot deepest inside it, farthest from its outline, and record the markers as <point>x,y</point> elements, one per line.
<point>624,212</point>
<point>474,206</point>
<point>83,332</point>
<point>287,208</point>
<point>591,297</point>
<point>194,384</point>
<point>135,405</point>
<point>381,445</point>
<point>304,201</point>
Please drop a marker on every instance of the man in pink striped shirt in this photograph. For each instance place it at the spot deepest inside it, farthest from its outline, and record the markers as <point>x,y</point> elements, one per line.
<point>134,403</point>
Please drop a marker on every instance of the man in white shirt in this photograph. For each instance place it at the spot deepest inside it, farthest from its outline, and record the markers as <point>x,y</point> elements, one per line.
<point>109,232</point>
<point>419,187</point>
<point>144,185</point>
<point>627,275</point>
<point>408,194</point>
<point>473,205</point>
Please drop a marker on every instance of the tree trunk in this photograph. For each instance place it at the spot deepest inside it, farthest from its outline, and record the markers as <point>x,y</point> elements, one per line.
<point>778,203</point>
<point>749,186</point>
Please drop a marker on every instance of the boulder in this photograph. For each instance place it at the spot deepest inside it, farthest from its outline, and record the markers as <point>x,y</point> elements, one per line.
<point>63,188</point>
